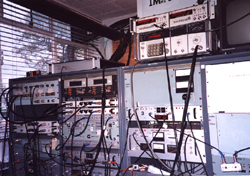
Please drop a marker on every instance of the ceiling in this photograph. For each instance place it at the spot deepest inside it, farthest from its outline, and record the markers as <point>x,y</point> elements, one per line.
<point>101,9</point>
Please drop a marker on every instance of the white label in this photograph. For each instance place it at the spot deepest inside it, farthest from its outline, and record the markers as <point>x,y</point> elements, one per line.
<point>40,91</point>
<point>54,143</point>
<point>185,72</point>
<point>98,132</point>
<point>159,135</point>
<point>50,90</point>
<point>159,146</point>
<point>181,85</point>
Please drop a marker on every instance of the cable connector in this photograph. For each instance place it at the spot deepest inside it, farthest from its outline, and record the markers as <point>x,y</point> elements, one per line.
<point>77,160</point>
<point>108,162</point>
<point>233,167</point>
<point>222,157</point>
<point>98,111</point>
<point>137,167</point>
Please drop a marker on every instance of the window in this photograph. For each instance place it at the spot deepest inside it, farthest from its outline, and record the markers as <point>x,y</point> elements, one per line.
<point>30,40</point>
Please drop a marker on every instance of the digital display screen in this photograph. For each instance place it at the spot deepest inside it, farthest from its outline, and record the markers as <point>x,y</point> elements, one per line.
<point>100,81</point>
<point>75,83</point>
<point>161,117</point>
<point>179,14</point>
<point>171,148</point>
<point>147,21</point>
<point>154,36</point>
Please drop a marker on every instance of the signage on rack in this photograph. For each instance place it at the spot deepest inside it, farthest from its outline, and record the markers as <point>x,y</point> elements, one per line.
<point>146,8</point>
<point>155,2</point>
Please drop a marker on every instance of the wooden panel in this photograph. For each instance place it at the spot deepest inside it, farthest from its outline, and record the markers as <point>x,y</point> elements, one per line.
<point>125,56</point>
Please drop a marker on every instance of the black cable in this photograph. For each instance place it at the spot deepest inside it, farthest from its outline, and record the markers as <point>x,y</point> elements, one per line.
<point>35,159</point>
<point>98,51</point>
<point>72,115</point>
<point>125,145</point>
<point>85,125</point>
<point>144,150</point>
<point>4,140</point>
<point>212,147</point>
<point>5,131</point>
<point>235,153</point>
<point>138,122</point>
<point>190,170</point>
<point>117,55</point>
<point>82,148</point>
<point>169,87</point>
<point>53,109</point>
<point>185,156</point>
<point>212,30</point>
<point>150,145</point>
<point>60,146</point>
<point>196,146</point>
<point>104,143</point>
<point>153,118</point>
<point>183,123</point>
<point>72,137</point>
<point>9,109</point>
<point>129,51</point>
<point>102,121</point>
<point>53,159</point>
<point>26,151</point>
<point>32,91</point>
<point>9,103</point>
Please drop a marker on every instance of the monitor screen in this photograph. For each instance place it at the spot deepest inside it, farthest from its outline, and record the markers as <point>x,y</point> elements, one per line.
<point>239,32</point>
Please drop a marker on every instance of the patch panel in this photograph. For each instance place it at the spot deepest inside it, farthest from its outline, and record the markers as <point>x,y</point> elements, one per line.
<point>42,127</point>
<point>92,117</point>
<point>43,92</point>
<point>91,103</point>
<point>164,113</point>
<point>88,111</point>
